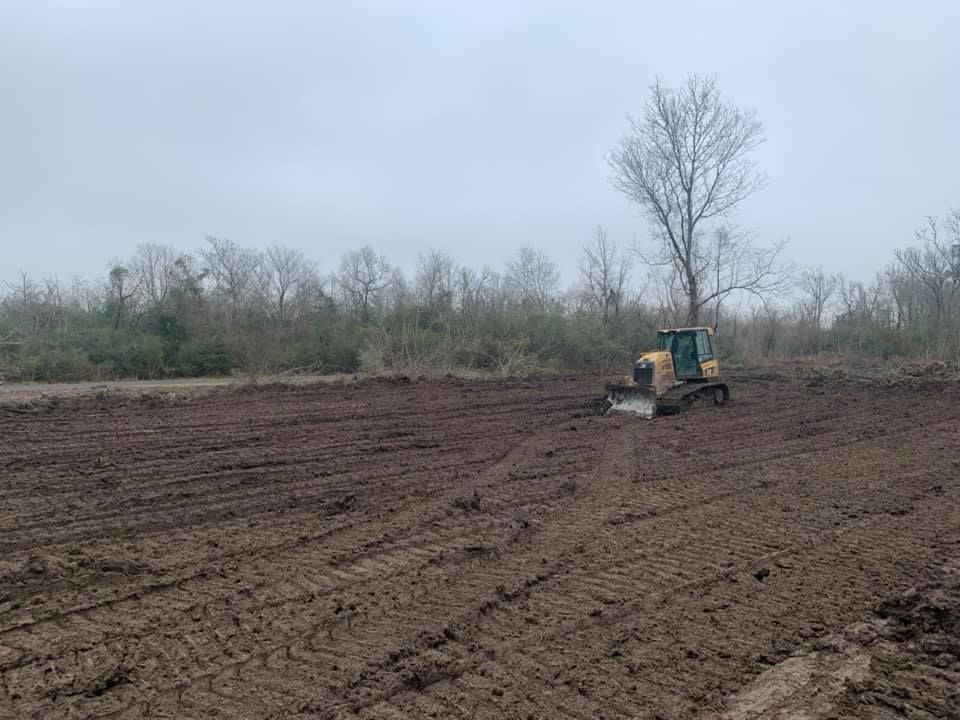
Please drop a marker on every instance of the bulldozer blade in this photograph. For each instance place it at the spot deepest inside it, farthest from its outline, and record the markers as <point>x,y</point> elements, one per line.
<point>637,399</point>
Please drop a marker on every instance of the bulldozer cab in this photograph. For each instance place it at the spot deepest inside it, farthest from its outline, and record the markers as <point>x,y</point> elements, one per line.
<point>689,347</point>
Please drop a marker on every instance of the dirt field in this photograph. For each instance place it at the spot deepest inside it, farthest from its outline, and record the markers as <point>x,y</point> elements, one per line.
<point>483,550</point>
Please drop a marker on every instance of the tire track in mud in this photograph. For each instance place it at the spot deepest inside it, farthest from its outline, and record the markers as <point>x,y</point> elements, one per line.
<point>353,460</point>
<point>417,600</point>
<point>166,600</point>
<point>577,602</point>
<point>490,581</point>
<point>256,465</point>
<point>513,655</point>
<point>307,654</point>
<point>302,538</point>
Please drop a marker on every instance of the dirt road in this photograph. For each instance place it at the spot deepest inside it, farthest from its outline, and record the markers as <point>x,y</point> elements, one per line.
<point>483,549</point>
<point>29,392</point>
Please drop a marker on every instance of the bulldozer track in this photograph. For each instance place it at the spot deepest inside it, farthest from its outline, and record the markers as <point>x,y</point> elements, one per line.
<point>447,550</point>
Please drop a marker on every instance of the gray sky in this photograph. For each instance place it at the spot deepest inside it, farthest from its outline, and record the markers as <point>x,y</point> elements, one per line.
<point>473,128</point>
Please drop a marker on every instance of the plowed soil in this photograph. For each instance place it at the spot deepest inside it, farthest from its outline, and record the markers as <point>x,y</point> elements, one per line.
<point>483,550</point>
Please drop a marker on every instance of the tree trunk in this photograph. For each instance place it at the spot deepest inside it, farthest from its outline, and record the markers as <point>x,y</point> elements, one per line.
<point>693,301</point>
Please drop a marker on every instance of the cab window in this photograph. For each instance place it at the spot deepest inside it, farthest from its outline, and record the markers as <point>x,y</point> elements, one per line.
<point>704,346</point>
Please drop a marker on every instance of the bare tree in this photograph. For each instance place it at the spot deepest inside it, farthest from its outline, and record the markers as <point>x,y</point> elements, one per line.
<point>687,162</point>
<point>818,288</point>
<point>902,292</point>
<point>435,279</point>
<point>286,271</point>
<point>668,297</point>
<point>934,265</point>
<point>767,326</point>
<point>533,278</point>
<point>86,296</point>
<point>468,287</point>
<point>952,224</point>
<point>477,292</point>
<point>397,293</point>
<point>363,276</point>
<point>53,305</point>
<point>123,291</point>
<point>734,264</point>
<point>604,271</point>
<point>26,299</point>
<point>155,269</point>
<point>25,290</point>
<point>35,307</point>
<point>861,303</point>
<point>233,270</point>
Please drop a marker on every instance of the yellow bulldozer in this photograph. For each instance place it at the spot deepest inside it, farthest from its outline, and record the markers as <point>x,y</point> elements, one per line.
<point>682,369</point>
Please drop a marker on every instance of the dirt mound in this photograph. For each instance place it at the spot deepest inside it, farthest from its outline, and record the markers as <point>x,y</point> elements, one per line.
<point>916,672</point>
<point>938,369</point>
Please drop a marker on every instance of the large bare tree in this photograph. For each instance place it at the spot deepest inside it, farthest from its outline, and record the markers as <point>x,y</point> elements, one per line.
<point>686,162</point>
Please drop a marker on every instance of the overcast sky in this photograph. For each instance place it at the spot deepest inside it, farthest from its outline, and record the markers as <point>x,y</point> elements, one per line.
<point>471,127</point>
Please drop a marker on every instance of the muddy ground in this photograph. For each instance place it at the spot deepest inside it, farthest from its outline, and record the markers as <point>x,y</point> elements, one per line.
<point>483,549</point>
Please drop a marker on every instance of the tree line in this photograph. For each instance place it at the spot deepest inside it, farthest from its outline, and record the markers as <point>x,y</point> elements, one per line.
<point>686,163</point>
<point>227,309</point>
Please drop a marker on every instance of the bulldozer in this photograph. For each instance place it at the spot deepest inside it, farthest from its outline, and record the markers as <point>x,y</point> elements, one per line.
<point>682,369</point>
